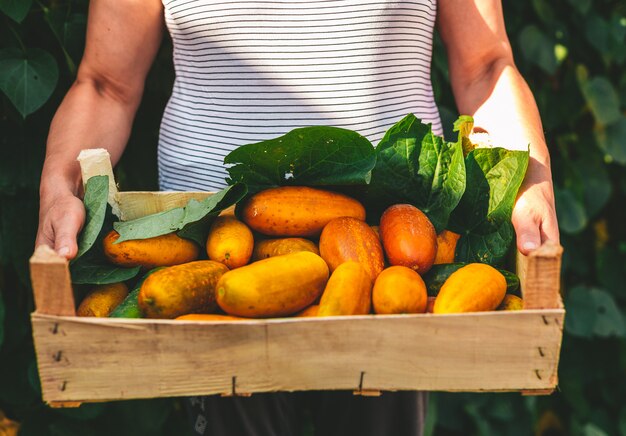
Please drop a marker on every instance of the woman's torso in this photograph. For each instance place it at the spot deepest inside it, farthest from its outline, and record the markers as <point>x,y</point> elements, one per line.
<point>250,71</point>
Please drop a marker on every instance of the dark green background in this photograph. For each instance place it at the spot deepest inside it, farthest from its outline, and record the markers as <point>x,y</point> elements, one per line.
<point>572,52</point>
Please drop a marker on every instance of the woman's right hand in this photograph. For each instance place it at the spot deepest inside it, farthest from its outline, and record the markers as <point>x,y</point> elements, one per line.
<point>61,217</point>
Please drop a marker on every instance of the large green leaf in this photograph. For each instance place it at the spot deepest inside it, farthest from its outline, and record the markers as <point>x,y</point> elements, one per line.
<point>69,29</point>
<point>416,166</point>
<point>596,184</point>
<point>593,312</point>
<point>27,77</point>
<point>612,140</point>
<point>570,212</point>
<point>602,99</point>
<point>537,48</point>
<point>87,271</point>
<point>317,155</point>
<point>483,216</point>
<point>95,200</point>
<point>183,219</point>
<point>16,9</point>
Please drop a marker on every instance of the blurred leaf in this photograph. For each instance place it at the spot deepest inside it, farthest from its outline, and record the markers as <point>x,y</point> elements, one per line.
<point>612,140</point>
<point>16,9</point>
<point>544,11</point>
<point>69,29</point>
<point>431,416</point>
<point>622,422</point>
<point>570,212</point>
<point>95,200</point>
<point>86,411</point>
<point>596,184</point>
<point>582,6</point>
<point>66,427</point>
<point>597,32</point>
<point>593,430</point>
<point>33,376</point>
<point>611,272</point>
<point>538,49</point>
<point>593,312</point>
<point>27,78</point>
<point>602,99</point>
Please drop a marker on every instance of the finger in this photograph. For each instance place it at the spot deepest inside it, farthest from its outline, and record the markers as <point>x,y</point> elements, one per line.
<point>528,234</point>
<point>45,236</point>
<point>550,229</point>
<point>65,233</point>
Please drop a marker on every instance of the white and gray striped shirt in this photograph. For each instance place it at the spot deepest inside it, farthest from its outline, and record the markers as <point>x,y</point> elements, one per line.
<point>247,71</point>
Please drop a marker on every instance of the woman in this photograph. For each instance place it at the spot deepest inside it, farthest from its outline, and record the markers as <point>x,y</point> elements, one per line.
<point>248,71</point>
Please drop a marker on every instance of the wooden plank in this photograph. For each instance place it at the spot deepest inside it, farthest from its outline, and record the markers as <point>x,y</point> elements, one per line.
<point>136,204</point>
<point>540,276</point>
<point>88,359</point>
<point>52,286</point>
<point>97,162</point>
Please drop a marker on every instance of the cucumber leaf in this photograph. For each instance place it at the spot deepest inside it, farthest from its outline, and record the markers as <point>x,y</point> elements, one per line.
<point>95,200</point>
<point>85,272</point>
<point>418,167</point>
<point>312,156</point>
<point>188,220</point>
<point>483,216</point>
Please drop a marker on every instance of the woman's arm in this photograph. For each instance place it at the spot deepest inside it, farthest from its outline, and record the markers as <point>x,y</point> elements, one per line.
<point>487,85</point>
<point>123,37</point>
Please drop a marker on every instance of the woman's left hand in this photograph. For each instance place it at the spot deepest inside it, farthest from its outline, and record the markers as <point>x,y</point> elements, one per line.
<point>534,214</point>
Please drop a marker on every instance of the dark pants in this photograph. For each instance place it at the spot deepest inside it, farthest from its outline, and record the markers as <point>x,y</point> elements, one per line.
<point>337,413</point>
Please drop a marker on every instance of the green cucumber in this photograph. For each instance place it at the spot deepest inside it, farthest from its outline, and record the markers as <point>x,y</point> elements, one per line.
<point>438,274</point>
<point>129,308</point>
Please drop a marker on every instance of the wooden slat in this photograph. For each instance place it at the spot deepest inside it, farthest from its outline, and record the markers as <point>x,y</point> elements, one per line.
<point>138,204</point>
<point>87,359</point>
<point>50,277</point>
<point>97,162</point>
<point>540,276</point>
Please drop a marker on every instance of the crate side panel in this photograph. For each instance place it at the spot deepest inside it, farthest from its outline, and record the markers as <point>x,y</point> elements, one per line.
<point>112,359</point>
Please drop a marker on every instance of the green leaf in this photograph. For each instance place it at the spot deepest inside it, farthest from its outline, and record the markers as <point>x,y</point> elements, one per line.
<point>464,125</point>
<point>582,6</point>
<point>622,422</point>
<point>16,9</point>
<point>27,78</point>
<point>593,430</point>
<point>570,212</point>
<point>314,156</point>
<point>86,272</point>
<point>611,272</point>
<point>597,32</point>
<point>416,166</point>
<point>69,29</point>
<point>592,312</point>
<point>483,216</point>
<point>602,99</point>
<point>596,184</point>
<point>612,140</point>
<point>95,200</point>
<point>180,218</point>
<point>538,49</point>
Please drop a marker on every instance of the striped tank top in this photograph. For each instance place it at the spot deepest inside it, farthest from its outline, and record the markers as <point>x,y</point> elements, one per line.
<point>247,71</point>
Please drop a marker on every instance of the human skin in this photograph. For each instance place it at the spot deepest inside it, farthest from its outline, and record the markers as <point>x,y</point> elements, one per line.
<point>487,85</point>
<point>123,37</point>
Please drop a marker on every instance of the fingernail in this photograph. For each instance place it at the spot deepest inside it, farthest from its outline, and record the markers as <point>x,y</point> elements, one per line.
<point>529,246</point>
<point>64,251</point>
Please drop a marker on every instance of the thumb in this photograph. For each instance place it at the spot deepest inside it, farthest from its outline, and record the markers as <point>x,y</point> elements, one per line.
<point>528,234</point>
<point>65,233</point>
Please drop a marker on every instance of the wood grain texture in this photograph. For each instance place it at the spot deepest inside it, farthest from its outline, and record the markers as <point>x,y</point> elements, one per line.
<point>52,286</point>
<point>540,277</point>
<point>135,204</point>
<point>87,359</point>
<point>97,162</point>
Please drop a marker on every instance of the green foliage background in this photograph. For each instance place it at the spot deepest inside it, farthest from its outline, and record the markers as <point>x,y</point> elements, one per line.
<point>573,54</point>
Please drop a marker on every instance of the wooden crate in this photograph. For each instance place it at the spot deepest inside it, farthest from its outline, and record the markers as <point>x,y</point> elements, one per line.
<point>96,359</point>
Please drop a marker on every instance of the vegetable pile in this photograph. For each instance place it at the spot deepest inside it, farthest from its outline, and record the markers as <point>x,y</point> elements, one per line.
<point>325,224</point>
